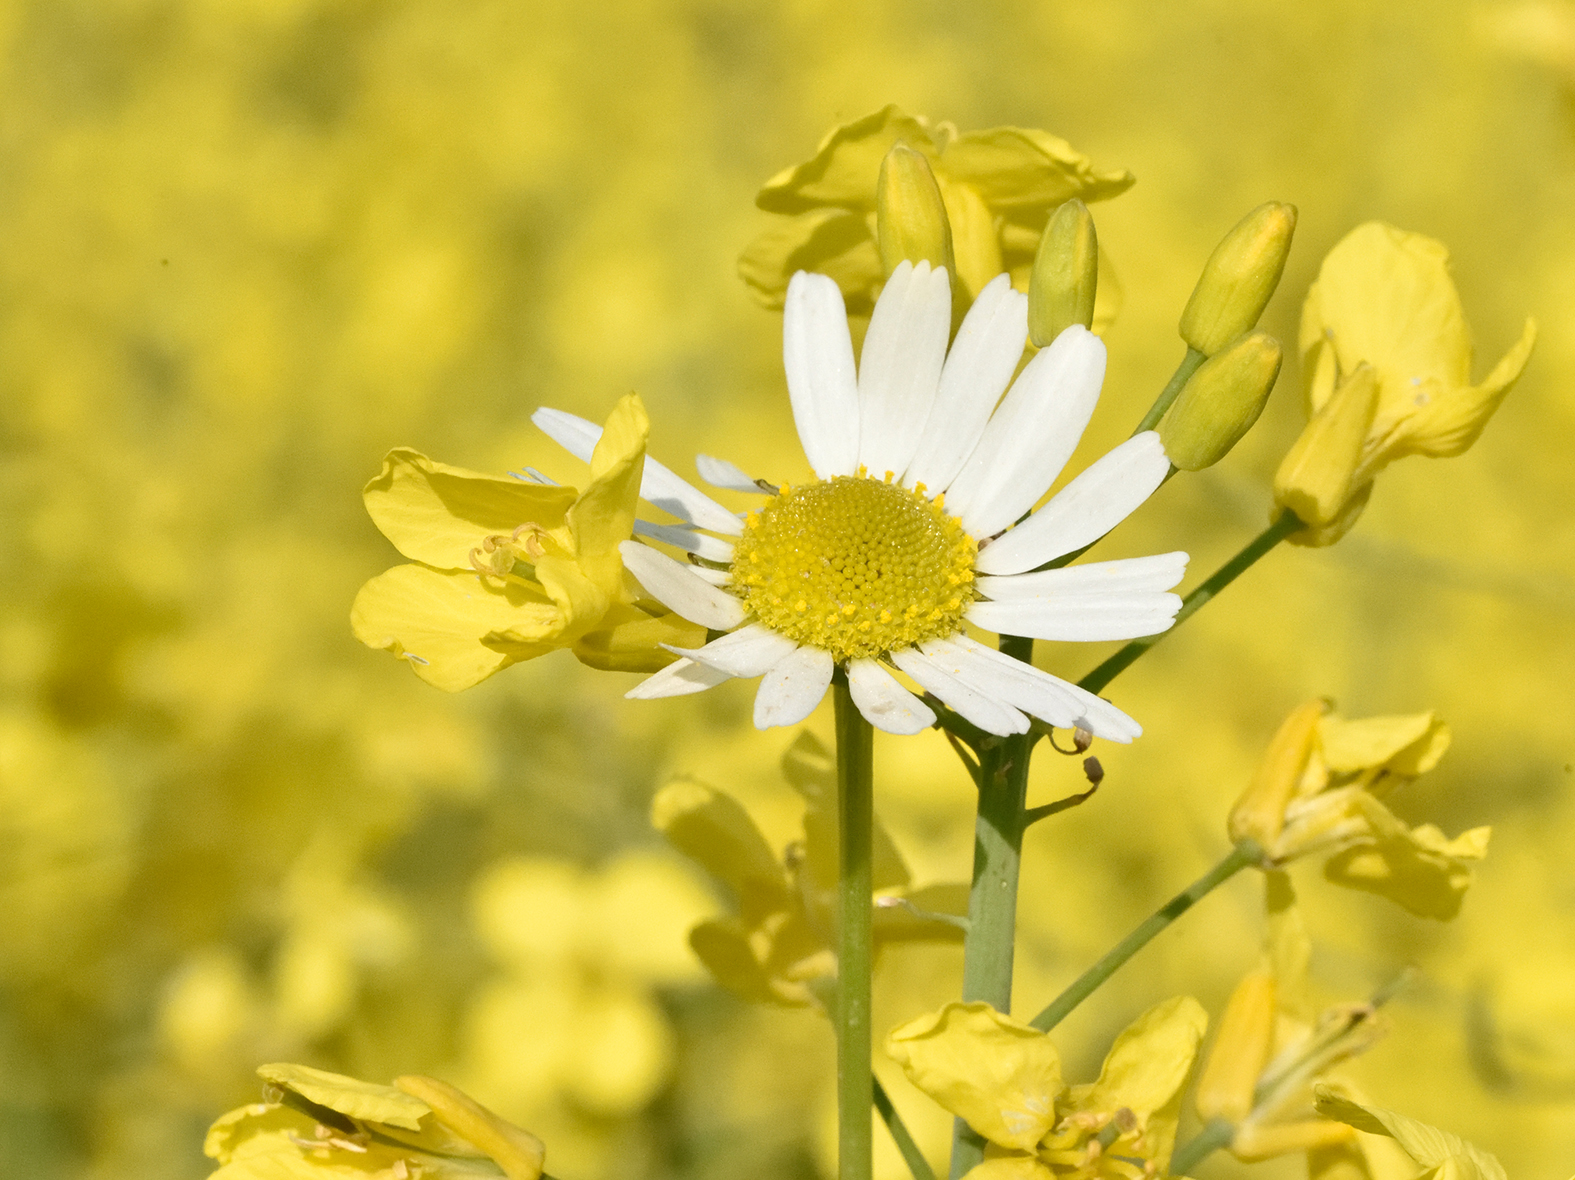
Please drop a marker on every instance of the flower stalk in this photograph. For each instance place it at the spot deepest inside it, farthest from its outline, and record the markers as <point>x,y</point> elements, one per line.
<point>992,900</point>
<point>1202,1145</point>
<point>1244,854</point>
<point>1178,381</point>
<point>918,1166</point>
<point>855,943</point>
<point>1284,525</point>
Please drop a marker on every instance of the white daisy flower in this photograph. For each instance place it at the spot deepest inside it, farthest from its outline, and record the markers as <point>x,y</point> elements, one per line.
<point>914,524</point>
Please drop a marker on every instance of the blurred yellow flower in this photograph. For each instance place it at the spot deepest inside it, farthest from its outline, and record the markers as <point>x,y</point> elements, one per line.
<point>1384,298</point>
<point>1004,1079</point>
<point>1269,1050</point>
<point>571,1017</point>
<point>316,1124</point>
<point>507,569</point>
<point>67,841</point>
<point>776,947</point>
<point>999,187</point>
<point>1319,791</point>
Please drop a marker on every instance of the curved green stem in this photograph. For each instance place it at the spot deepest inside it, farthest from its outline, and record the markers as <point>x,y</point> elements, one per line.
<point>1244,854</point>
<point>1205,1143</point>
<point>855,944</point>
<point>1284,525</point>
<point>1178,380</point>
<point>917,1164</point>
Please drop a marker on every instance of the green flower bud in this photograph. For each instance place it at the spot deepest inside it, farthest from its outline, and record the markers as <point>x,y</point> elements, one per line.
<point>1239,278</point>
<point>910,217</point>
<point>1221,402</point>
<point>1066,272</point>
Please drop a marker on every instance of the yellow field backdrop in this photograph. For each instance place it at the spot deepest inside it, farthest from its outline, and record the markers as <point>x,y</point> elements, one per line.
<point>247,246</point>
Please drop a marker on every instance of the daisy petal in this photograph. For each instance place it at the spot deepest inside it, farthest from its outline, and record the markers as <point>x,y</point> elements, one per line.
<point>793,687</point>
<point>745,653</point>
<point>1045,696</point>
<point>677,680</point>
<point>1079,619</point>
<point>900,366</point>
<point>711,576</point>
<point>978,369</point>
<point>710,548</point>
<point>659,485</point>
<point>719,473</point>
<point>1032,435</point>
<point>675,585</point>
<point>884,702</point>
<point>574,434</point>
<point>817,354</point>
<point>1026,687</point>
<point>1129,575</point>
<point>1099,499</point>
<point>672,493</point>
<point>984,711</point>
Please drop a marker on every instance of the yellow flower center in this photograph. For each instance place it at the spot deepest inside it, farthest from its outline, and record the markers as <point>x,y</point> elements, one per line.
<point>855,566</point>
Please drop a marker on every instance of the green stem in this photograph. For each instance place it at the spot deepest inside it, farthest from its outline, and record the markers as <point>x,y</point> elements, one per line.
<point>855,944</point>
<point>1205,1143</point>
<point>1178,380</point>
<point>992,900</point>
<point>1244,854</point>
<point>1286,524</point>
<point>917,1164</point>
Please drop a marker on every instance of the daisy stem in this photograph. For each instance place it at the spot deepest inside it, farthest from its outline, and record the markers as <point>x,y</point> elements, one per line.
<point>1244,854</point>
<point>855,795</point>
<point>992,900</point>
<point>1284,525</point>
<point>1178,380</point>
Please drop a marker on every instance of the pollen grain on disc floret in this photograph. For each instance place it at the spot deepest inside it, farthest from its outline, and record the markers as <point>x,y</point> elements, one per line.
<point>856,566</point>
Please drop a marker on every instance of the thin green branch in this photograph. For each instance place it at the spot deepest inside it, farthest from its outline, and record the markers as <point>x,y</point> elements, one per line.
<point>1205,1143</point>
<point>954,724</point>
<point>1178,380</point>
<point>1244,854</point>
<point>855,942</point>
<point>912,1156</point>
<point>964,755</point>
<point>1286,524</point>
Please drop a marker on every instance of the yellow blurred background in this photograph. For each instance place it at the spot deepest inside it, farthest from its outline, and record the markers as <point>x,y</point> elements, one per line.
<point>246,246</point>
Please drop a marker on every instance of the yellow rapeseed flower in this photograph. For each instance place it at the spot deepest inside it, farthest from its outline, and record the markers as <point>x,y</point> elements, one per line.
<point>777,945</point>
<point>1384,298</point>
<point>1004,1079</point>
<point>1319,791</point>
<point>1270,1049</point>
<point>314,1125</point>
<point>506,569</point>
<point>569,1018</point>
<point>999,187</point>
